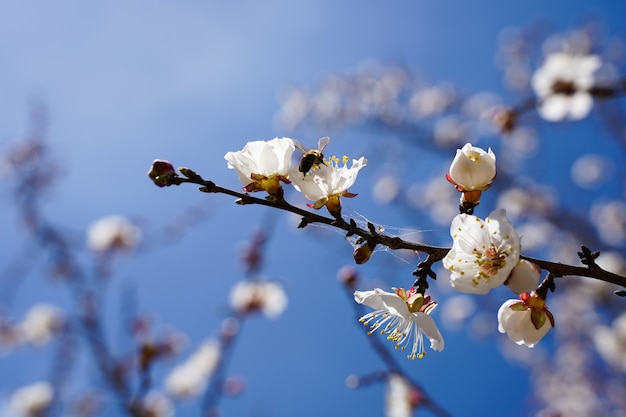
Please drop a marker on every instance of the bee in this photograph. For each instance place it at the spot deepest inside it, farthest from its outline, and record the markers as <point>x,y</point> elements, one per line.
<point>312,159</point>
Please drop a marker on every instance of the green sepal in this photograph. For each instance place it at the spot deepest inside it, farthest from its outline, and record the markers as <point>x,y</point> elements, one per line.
<point>518,306</point>
<point>538,317</point>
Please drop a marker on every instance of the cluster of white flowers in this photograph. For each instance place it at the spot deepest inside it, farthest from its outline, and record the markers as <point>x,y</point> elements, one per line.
<point>484,255</point>
<point>190,378</point>
<point>485,252</point>
<point>263,165</point>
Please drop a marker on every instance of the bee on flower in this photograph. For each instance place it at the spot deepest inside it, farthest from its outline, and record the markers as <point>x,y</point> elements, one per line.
<point>326,186</point>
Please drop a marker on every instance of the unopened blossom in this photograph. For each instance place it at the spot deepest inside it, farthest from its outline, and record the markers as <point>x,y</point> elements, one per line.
<point>562,85</point>
<point>112,233</point>
<point>483,252</point>
<point>41,322</point>
<point>473,169</point>
<point>32,400</point>
<point>525,320</point>
<point>265,296</point>
<point>403,316</point>
<point>190,378</point>
<point>326,185</point>
<point>401,397</point>
<point>263,165</point>
<point>162,173</point>
<point>524,277</point>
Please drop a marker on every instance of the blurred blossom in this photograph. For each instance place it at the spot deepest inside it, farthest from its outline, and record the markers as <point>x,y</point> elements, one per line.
<point>263,165</point>
<point>437,197</point>
<point>431,101</point>
<point>521,202</point>
<point>190,378</point>
<point>526,321</point>
<point>609,218</point>
<point>479,105</point>
<point>456,309</point>
<point>517,76</point>
<point>590,170</point>
<point>483,252</point>
<point>156,404</point>
<point>562,85</point>
<point>385,189</point>
<point>293,109</point>
<point>536,234</point>
<point>32,400</point>
<point>610,342</point>
<point>449,131</point>
<point>403,316</point>
<point>523,142</point>
<point>400,397</point>
<point>42,321</point>
<point>612,262</point>
<point>574,42</point>
<point>251,296</point>
<point>112,233</point>
<point>524,277</point>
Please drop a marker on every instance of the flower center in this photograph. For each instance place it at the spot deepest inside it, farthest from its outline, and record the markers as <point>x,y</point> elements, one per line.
<point>489,262</point>
<point>567,88</point>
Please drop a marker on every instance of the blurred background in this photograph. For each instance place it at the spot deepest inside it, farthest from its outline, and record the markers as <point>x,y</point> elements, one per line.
<point>106,88</point>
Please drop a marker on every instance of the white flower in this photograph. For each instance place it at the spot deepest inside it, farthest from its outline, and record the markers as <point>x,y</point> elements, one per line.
<point>399,397</point>
<point>483,252</point>
<point>112,232</point>
<point>32,400</point>
<point>250,296</point>
<point>190,378</point>
<point>524,277</point>
<point>472,168</point>
<point>39,324</point>
<point>328,183</point>
<point>262,165</point>
<point>403,317</point>
<point>525,321</point>
<point>562,85</point>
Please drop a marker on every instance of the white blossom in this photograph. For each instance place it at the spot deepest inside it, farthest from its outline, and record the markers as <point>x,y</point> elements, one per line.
<point>328,183</point>
<point>483,252</point>
<point>261,165</point>
<point>249,296</point>
<point>524,277</point>
<point>404,317</point>
<point>32,400</point>
<point>525,321</point>
<point>39,324</point>
<point>112,232</point>
<point>190,378</point>
<point>562,85</point>
<point>472,168</point>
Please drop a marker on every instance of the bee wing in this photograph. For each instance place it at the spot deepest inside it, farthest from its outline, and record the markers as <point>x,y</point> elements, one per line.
<point>322,143</point>
<point>299,146</point>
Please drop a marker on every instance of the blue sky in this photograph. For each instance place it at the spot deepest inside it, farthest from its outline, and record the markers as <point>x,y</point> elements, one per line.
<point>128,82</point>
